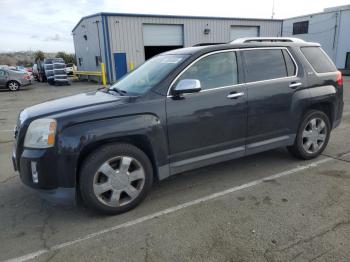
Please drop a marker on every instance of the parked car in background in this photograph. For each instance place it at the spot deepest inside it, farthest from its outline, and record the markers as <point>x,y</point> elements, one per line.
<point>14,79</point>
<point>70,68</point>
<point>39,71</point>
<point>41,75</point>
<point>35,71</point>
<point>29,71</point>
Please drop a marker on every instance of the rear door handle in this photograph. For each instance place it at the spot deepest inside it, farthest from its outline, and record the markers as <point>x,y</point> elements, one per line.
<point>235,95</point>
<point>295,84</point>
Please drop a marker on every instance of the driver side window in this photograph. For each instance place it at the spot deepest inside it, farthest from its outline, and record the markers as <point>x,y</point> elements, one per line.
<point>216,70</point>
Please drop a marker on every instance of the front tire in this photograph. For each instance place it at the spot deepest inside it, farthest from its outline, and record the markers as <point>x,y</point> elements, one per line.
<point>115,178</point>
<point>313,135</point>
<point>13,85</point>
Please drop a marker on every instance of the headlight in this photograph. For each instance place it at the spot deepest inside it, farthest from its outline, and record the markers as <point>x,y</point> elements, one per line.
<point>41,133</point>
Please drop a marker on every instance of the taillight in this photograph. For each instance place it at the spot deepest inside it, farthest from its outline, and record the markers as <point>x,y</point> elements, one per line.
<point>339,78</point>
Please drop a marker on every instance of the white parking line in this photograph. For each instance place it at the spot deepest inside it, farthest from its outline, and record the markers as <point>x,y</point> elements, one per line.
<point>167,211</point>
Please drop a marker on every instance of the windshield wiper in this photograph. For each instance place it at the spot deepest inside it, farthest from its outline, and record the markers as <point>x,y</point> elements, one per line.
<point>119,91</point>
<point>113,90</point>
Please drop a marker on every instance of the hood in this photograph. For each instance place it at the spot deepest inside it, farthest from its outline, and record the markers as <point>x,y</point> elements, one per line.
<point>70,103</point>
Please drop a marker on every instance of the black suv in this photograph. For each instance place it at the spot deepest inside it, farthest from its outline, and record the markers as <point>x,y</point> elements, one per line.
<point>180,110</point>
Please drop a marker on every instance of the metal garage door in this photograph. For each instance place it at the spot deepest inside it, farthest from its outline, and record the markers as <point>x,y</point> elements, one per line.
<point>243,31</point>
<point>163,35</point>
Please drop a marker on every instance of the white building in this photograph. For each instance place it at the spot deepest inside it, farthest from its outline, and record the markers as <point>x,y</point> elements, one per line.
<point>123,41</point>
<point>330,28</point>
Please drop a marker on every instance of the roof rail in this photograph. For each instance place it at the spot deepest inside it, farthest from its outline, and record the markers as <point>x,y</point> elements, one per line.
<point>205,44</point>
<point>267,39</point>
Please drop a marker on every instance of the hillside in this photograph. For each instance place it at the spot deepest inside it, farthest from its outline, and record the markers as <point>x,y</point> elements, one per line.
<point>25,58</point>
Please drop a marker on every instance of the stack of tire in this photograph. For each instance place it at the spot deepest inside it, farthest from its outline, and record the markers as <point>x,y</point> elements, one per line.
<point>59,70</point>
<point>48,67</point>
<point>55,70</point>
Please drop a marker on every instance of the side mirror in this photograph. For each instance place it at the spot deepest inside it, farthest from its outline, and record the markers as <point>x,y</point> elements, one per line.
<point>187,86</point>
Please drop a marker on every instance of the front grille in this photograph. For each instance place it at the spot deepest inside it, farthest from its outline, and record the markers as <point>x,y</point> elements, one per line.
<point>15,132</point>
<point>19,136</point>
<point>17,127</point>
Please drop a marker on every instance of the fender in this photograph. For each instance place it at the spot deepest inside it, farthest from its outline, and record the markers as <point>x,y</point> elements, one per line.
<point>300,101</point>
<point>331,96</point>
<point>76,139</point>
<point>323,92</point>
<point>311,97</point>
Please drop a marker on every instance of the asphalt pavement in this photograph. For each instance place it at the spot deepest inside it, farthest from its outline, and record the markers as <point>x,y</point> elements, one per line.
<point>265,207</point>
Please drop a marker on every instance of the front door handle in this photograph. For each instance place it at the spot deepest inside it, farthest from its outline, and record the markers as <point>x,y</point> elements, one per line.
<point>235,95</point>
<point>295,84</point>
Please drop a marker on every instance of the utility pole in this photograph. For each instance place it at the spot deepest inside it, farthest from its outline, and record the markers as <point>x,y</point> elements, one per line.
<point>273,9</point>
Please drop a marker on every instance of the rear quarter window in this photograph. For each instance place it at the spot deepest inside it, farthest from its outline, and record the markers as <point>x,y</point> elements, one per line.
<point>318,59</point>
<point>291,68</point>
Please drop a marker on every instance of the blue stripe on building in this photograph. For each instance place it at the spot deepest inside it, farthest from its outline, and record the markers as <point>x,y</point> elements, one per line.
<point>105,49</point>
<point>109,51</point>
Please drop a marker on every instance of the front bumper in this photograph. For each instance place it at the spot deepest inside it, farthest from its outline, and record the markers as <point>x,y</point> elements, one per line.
<point>26,82</point>
<point>42,170</point>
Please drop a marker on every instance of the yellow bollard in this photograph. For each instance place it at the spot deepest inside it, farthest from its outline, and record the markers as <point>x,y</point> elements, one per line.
<point>131,66</point>
<point>74,73</point>
<point>103,74</point>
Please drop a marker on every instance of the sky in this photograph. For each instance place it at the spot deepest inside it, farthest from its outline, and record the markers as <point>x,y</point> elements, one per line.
<point>47,25</point>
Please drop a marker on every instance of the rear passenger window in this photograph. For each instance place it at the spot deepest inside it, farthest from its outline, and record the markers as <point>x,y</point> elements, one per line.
<point>318,59</point>
<point>264,64</point>
<point>213,71</point>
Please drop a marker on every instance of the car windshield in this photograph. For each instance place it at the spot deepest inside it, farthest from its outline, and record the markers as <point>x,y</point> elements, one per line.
<point>148,75</point>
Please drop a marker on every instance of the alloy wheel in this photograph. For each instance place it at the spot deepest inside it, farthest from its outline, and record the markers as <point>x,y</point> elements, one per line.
<point>13,86</point>
<point>119,181</point>
<point>314,135</point>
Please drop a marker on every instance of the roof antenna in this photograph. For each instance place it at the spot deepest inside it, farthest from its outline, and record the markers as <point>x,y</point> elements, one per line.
<point>273,9</point>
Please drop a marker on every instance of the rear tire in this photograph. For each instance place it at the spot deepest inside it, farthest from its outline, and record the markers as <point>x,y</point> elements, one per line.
<point>313,135</point>
<point>13,85</point>
<point>115,178</point>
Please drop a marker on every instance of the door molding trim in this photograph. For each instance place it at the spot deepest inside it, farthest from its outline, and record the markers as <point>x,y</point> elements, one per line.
<point>207,159</point>
<point>231,153</point>
<point>268,141</point>
<point>207,156</point>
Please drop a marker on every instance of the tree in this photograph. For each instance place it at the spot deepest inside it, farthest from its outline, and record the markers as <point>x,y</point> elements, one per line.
<point>6,59</point>
<point>68,58</point>
<point>39,56</point>
<point>24,62</point>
